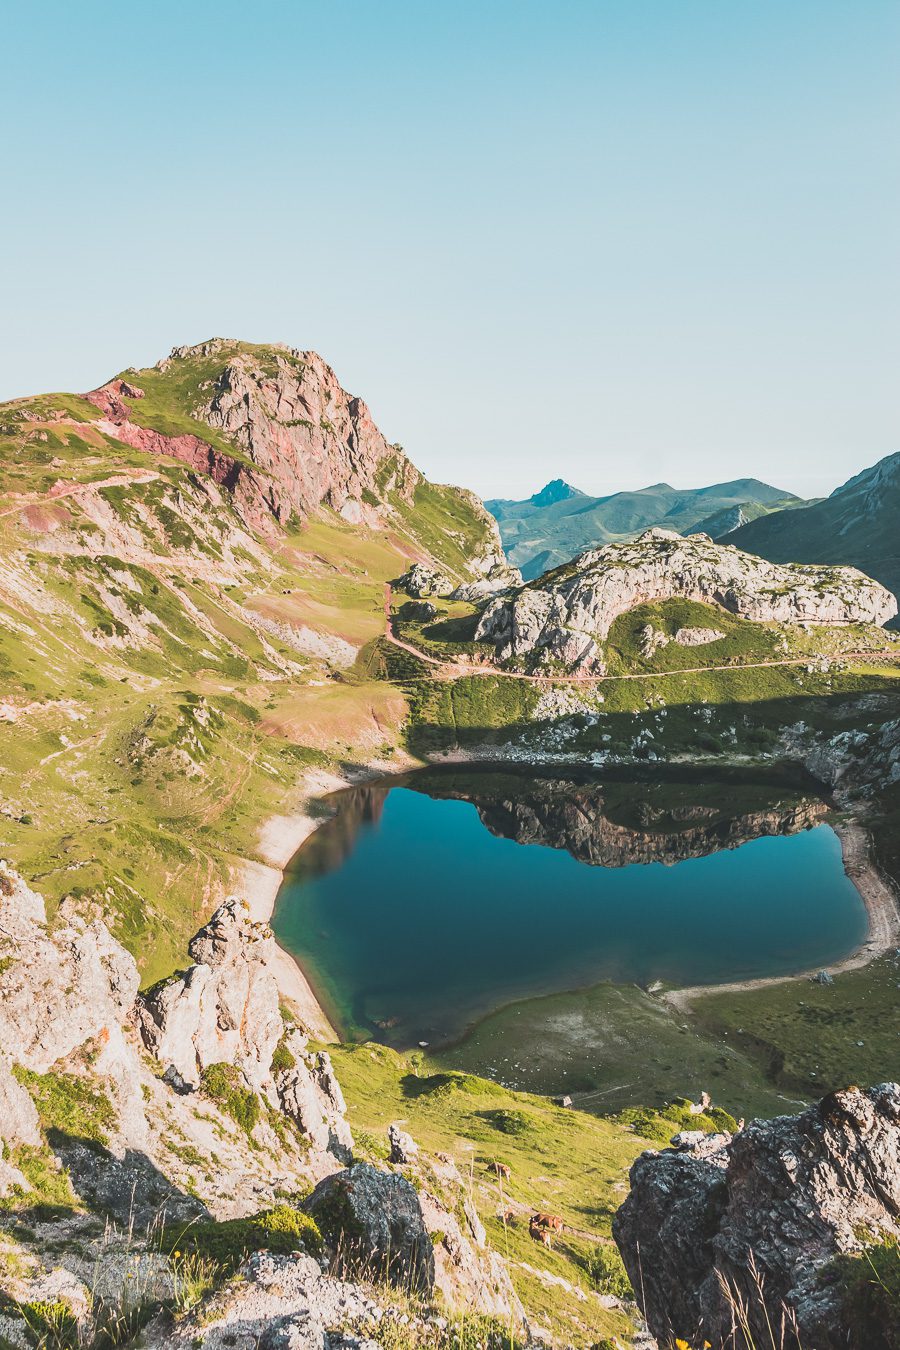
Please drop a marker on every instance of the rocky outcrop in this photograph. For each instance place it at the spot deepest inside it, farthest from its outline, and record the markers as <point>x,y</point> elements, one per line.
<point>498,579</point>
<point>296,423</point>
<point>256,495</point>
<point>421,581</point>
<point>403,1148</point>
<point>290,1303</point>
<point>762,1219</point>
<point>858,761</point>
<point>417,611</point>
<point>697,637</point>
<point>154,1145</point>
<point>69,1006</point>
<point>375,1225</point>
<point>61,991</point>
<point>224,1008</point>
<point>495,575</point>
<point>566,615</point>
<point>301,440</point>
<point>310,1094</point>
<point>281,1303</point>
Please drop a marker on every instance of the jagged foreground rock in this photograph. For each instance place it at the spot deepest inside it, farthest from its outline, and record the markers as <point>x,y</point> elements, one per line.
<point>566,614</point>
<point>784,1197</point>
<point>162,1142</point>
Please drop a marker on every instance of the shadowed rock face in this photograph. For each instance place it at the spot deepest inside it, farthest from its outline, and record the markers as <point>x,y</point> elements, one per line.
<point>567,613</point>
<point>785,1198</point>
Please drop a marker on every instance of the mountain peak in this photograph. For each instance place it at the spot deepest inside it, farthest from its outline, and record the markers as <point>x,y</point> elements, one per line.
<point>557,490</point>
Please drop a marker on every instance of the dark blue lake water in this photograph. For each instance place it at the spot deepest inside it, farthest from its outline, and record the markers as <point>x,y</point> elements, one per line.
<point>426,902</point>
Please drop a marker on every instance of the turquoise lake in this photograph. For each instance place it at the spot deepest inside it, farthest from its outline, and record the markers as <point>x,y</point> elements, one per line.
<point>425,902</point>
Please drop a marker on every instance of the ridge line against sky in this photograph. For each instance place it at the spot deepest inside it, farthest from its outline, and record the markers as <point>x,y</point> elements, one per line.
<point>616,243</point>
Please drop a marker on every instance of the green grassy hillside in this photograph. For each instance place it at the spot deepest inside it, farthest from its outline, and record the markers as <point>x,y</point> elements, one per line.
<point>168,674</point>
<point>563,1162</point>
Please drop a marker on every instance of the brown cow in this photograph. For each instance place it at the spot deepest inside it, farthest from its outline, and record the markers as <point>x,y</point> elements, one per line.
<point>501,1170</point>
<point>547,1221</point>
<point>539,1234</point>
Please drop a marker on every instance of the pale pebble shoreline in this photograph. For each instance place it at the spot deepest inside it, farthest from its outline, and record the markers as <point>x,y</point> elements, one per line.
<point>279,839</point>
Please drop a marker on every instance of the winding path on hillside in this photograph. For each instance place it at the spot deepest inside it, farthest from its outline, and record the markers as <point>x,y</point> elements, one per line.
<point>450,670</point>
<point>21,501</point>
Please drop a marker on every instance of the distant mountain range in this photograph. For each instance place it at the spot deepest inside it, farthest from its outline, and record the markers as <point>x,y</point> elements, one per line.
<point>858,524</point>
<point>560,521</point>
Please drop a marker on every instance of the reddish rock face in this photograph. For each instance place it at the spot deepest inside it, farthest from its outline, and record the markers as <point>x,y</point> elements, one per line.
<point>308,441</point>
<point>256,497</point>
<point>300,440</point>
<point>315,439</point>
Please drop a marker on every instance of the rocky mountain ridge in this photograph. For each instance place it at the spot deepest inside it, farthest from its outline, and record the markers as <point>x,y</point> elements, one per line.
<point>858,524</point>
<point>555,524</point>
<point>566,614</point>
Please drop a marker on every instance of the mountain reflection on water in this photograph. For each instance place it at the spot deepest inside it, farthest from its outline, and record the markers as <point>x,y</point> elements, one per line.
<point>605,823</point>
<point>414,909</point>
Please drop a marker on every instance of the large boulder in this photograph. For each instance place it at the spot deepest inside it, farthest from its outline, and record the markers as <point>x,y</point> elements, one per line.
<point>224,1008</point>
<point>762,1220</point>
<point>421,581</point>
<point>498,578</point>
<point>374,1223</point>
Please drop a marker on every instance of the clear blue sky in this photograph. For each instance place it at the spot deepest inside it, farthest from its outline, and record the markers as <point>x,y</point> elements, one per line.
<point>619,241</point>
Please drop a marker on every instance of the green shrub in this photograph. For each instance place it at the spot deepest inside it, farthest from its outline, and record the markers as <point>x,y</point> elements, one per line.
<point>509,1122</point>
<point>222,1083</point>
<point>50,1191</point>
<point>444,1084</point>
<point>659,1126</point>
<point>871,1285</point>
<point>607,1271</point>
<point>229,1241</point>
<point>70,1105</point>
<point>282,1058</point>
<point>52,1324</point>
